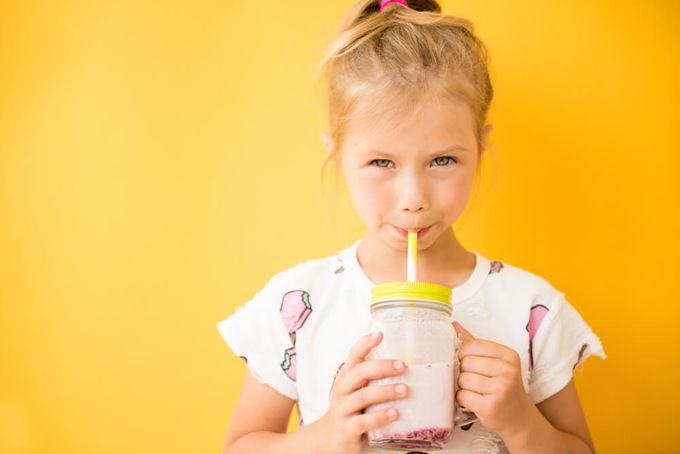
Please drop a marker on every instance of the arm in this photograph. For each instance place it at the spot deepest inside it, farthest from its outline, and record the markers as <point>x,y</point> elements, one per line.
<point>491,385</point>
<point>260,421</point>
<point>555,425</point>
<point>261,414</point>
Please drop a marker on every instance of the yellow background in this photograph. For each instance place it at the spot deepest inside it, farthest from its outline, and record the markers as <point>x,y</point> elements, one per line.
<point>159,161</point>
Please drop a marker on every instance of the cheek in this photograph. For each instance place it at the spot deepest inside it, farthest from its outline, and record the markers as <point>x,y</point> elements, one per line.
<point>456,194</point>
<point>369,197</point>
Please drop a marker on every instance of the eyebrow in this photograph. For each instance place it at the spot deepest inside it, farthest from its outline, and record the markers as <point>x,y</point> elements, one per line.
<point>434,153</point>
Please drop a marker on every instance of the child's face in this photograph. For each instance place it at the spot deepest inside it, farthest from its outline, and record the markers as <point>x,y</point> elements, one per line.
<point>412,174</point>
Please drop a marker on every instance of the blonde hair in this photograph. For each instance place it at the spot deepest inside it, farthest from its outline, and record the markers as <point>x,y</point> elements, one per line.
<point>389,62</point>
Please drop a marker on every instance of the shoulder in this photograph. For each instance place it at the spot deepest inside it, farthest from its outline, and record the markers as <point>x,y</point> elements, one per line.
<point>293,294</point>
<point>289,292</point>
<point>515,282</point>
<point>306,275</point>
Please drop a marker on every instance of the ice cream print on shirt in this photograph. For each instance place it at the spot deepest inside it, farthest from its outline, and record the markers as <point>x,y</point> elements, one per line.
<point>583,349</point>
<point>295,308</point>
<point>536,316</point>
<point>334,377</point>
<point>496,267</point>
<point>341,266</point>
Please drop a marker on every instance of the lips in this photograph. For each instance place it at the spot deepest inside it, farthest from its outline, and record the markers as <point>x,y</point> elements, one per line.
<point>404,232</point>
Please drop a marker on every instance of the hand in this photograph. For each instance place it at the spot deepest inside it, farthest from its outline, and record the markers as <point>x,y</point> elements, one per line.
<point>490,384</point>
<point>342,427</point>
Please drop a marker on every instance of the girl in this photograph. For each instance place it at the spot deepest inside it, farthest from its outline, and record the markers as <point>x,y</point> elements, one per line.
<point>408,96</point>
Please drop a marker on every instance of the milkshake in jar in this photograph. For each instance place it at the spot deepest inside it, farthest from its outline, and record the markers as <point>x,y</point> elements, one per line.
<point>415,319</point>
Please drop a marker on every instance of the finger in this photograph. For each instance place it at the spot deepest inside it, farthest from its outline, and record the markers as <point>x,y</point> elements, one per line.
<point>360,350</point>
<point>482,365</point>
<point>361,374</point>
<point>490,349</point>
<point>369,421</point>
<point>471,400</point>
<point>476,383</point>
<point>465,335</point>
<point>371,395</point>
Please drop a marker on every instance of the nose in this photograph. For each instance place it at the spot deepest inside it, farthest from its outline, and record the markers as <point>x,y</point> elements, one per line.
<point>413,192</point>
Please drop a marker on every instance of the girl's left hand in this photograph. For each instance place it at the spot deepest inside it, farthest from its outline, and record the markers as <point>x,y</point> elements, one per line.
<point>490,384</point>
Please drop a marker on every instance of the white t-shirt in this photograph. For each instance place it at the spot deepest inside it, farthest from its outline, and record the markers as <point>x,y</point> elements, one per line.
<point>297,331</point>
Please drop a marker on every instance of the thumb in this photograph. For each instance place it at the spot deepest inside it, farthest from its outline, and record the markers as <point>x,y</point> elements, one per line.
<point>465,335</point>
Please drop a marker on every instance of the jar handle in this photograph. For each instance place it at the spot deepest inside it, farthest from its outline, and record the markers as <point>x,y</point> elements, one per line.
<point>463,416</point>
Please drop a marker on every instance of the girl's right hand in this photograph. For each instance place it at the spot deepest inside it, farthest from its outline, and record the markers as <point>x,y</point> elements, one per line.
<point>342,427</point>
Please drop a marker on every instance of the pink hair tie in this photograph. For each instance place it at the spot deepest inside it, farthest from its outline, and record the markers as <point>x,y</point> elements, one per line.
<point>384,3</point>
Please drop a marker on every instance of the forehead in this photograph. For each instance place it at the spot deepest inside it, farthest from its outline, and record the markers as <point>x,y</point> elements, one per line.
<point>432,124</point>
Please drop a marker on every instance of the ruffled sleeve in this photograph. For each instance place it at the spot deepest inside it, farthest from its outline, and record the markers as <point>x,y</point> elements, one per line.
<point>262,333</point>
<point>559,341</point>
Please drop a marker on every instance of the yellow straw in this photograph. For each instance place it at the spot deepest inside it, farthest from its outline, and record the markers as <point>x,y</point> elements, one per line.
<point>412,256</point>
<point>411,277</point>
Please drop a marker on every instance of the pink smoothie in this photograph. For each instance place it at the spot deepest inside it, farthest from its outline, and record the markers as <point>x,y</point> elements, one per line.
<point>425,415</point>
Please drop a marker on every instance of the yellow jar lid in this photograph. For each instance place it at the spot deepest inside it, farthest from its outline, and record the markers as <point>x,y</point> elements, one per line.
<point>410,290</point>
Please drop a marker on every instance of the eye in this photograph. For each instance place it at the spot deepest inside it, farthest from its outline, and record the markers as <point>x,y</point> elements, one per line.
<point>384,163</point>
<point>443,161</point>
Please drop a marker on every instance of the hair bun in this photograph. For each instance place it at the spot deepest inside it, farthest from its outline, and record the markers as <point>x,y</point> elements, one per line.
<point>373,7</point>
<point>425,5</point>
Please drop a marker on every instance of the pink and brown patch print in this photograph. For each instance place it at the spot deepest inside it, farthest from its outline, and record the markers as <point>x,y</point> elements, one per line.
<point>295,309</point>
<point>536,316</point>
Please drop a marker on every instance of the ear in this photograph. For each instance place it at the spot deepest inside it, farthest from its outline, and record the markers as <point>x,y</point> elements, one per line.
<point>486,132</point>
<point>327,140</point>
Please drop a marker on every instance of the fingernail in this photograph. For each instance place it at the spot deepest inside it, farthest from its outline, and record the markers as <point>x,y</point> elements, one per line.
<point>398,365</point>
<point>375,335</point>
<point>391,413</point>
<point>400,389</point>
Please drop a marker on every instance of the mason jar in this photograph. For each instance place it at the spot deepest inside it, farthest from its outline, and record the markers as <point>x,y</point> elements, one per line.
<point>415,319</point>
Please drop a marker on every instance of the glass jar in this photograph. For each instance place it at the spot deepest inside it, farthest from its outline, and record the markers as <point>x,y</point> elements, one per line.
<point>415,319</point>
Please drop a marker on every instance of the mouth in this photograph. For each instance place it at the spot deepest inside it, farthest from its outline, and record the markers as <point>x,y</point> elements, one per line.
<point>404,232</point>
